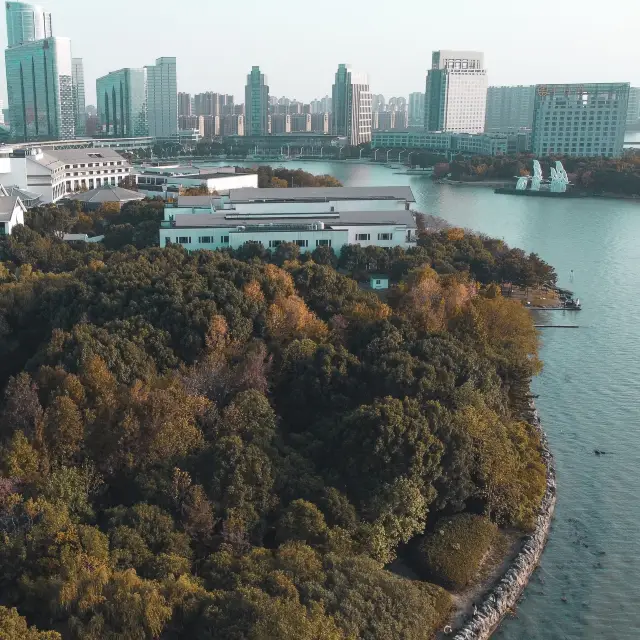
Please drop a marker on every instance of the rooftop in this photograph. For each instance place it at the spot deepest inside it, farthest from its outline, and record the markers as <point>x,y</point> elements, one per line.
<point>107,193</point>
<point>85,155</point>
<point>227,219</point>
<point>7,207</point>
<point>250,194</point>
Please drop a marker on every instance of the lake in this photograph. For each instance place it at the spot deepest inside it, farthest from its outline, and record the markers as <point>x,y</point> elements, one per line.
<point>588,584</point>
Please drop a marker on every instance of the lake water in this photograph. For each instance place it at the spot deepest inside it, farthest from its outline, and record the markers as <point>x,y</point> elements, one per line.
<point>588,584</point>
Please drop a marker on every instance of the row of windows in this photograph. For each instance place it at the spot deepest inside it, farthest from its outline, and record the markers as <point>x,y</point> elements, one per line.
<point>201,240</point>
<point>364,237</point>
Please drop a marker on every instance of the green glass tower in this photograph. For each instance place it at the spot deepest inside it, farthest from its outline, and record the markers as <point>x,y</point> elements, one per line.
<point>122,103</point>
<point>256,104</point>
<point>40,90</point>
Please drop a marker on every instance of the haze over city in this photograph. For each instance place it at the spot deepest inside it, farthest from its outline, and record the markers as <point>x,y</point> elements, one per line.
<point>300,46</point>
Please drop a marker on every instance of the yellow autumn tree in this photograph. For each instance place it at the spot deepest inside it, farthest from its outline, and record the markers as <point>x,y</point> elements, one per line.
<point>289,318</point>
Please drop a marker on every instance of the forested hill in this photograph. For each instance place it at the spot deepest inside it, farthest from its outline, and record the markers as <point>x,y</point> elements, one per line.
<point>207,447</point>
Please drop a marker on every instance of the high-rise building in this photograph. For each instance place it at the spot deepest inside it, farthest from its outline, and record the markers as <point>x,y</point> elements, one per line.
<point>40,90</point>
<point>27,23</point>
<point>633,110</point>
<point>211,126</point>
<point>122,103</point>
<point>184,104</point>
<point>378,102</point>
<point>77,79</point>
<point>580,119</point>
<point>383,120</point>
<point>416,109</point>
<point>320,123</point>
<point>280,123</point>
<point>256,100</point>
<point>351,106</point>
<point>162,98</point>
<point>300,123</point>
<point>509,109</point>
<point>213,104</point>
<point>233,125</point>
<point>456,93</point>
<point>397,104</point>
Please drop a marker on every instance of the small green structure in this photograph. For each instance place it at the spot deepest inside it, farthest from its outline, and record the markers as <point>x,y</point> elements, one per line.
<point>378,281</point>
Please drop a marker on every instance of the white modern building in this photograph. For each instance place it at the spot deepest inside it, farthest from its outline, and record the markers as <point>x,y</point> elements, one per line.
<point>509,109</point>
<point>166,182</point>
<point>51,174</point>
<point>456,93</point>
<point>351,102</point>
<point>162,98</point>
<point>11,212</point>
<point>580,119</point>
<point>308,217</point>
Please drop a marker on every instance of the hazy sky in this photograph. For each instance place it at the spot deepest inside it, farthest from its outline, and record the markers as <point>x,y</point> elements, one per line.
<point>299,44</point>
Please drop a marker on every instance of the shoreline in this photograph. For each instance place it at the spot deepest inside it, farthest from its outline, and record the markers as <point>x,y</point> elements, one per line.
<point>501,598</point>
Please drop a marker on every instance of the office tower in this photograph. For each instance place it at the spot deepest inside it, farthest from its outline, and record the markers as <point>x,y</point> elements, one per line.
<point>280,123</point>
<point>184,104</point>
<point>580,119</point>
<point>77,79</point>
<point>416,109</point>
<point>162,98</point>
<point>256,104</point>
<point>122,103</point>
<point>456,94</point>
<point>633,111</point>
<point>40,90</point>
<point>351,106</point>
<point>509,109</point>
<point>26,23</point>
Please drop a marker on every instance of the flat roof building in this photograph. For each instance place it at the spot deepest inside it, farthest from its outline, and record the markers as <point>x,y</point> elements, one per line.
<point>509,108</point>
<point>351,102</point>
<point>580,119</point>
<point>162,98</point>
<point>122,103</point>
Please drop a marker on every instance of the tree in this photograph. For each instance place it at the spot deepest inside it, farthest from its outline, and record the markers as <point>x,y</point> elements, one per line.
<point>14,627</point>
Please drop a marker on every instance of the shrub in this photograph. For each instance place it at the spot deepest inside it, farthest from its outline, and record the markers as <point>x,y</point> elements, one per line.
<point>453,553</point>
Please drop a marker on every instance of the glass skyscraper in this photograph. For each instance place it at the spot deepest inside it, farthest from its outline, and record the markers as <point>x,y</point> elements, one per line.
<point>122,103</point>
<point>256,104</point>
<point>77,77</point>
<point>26,23</point>
<point>40,90</point>
<point>351,100</point>
<point>162,98</point>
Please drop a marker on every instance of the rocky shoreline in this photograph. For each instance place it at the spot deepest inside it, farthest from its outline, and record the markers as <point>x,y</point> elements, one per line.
<point>505,594</point>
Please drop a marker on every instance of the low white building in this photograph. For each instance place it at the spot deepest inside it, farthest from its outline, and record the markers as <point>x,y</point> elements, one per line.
<point>166,182</point>
<point>53,173</point>
<point>308,217</point>
<point>11,212</point>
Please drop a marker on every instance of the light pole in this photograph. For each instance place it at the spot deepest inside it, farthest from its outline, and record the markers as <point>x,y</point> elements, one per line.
<point>400,154</point>
<point>321,151</point>
<point>361,150</point>
<point>388,152</point>
<point>375,155</point>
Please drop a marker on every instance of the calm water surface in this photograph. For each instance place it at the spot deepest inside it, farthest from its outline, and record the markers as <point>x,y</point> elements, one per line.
<point>588,396</point>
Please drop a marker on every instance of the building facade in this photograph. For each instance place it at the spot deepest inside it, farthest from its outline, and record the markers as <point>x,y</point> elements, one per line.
<point>509,108</point>
<point>320,122</point>
<point>279,123</point>
<point>122,103</point>
<point>456,92</point>
<point>452,143</point>
<point>633,110</point>
<point>40,90</point>
<point>301,123</point>
<point>580,119</point>
<point>351,101</point>
<point>184,104</point>
<point>416,109</point>
<point>256,100</point>
<point>79,103</point>
<point>26,23</point>
<point>162,98</point>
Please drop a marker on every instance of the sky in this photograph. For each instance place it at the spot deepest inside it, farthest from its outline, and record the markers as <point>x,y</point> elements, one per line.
<point>300,44</point>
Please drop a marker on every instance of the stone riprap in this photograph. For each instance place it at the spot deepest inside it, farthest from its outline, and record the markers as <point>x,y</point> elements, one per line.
<point>504,596</point>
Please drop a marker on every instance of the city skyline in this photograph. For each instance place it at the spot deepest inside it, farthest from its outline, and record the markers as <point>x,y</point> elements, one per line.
<point>308,75</point>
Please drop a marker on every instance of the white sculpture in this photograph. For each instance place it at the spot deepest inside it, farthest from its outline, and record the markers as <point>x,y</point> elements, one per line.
<point>559,179</point>
<point>537,176</point>
<point>522,183</point>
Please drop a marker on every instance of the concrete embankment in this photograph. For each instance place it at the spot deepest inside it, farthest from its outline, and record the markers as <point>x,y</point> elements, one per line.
<point>507,591</point>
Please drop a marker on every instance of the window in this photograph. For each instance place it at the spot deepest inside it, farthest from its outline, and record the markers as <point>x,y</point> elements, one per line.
<point>183,240</point>
<point>302,243</point>
<point>224,240</point>
<point>385,236</point>
<point>205,239</point>
<point>323,243</point>
<point>378,282</point>
<point>274,243</point>
<point>363,236</point>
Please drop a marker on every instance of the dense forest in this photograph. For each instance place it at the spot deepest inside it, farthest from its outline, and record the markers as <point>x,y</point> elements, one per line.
<point>597,176</point>
<point>236,446</point>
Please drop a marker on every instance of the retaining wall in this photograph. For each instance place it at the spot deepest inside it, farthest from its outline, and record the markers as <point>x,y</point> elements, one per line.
<point>508,590</point>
